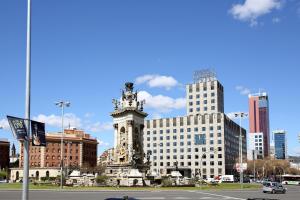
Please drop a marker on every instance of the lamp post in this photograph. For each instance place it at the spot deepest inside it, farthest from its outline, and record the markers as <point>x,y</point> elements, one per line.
<point>25,187</point>
<point>62,105</point>
<point>241,115</point>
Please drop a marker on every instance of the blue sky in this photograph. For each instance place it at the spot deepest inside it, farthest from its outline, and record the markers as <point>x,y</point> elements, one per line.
<point>84,50</point>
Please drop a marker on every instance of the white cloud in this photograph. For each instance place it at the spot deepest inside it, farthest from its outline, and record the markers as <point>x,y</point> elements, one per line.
<point>88,115</point>
<point>243,90</point>
<point>4,124</point>
<point>54,120</point>
<point>250,10</point>
<point>276,20</point>
<point>102,143</point>
<point>166,82</point>
<point>161,103</point>
<point>99,127</point>
<point>74,121</point>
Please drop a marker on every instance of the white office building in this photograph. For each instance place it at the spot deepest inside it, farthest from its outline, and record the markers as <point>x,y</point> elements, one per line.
<point>256,146</point>
<point>205,142</point>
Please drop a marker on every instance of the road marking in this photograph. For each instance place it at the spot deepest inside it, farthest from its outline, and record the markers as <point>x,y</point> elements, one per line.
<point>206,198</point>
<point>217,195</point>
<point>182,198</point>
<point>151,198</point>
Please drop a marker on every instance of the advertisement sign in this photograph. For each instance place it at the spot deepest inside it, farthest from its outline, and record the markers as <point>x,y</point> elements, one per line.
<point>18,127</point>
<point>242,167</point>
<point>38,133</point>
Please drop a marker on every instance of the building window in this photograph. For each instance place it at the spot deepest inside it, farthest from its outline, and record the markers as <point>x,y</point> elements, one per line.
<point>200,139</point>
<point>212,163</point>
<point>219,163</point>
<point>182,157</point>
<point>191,97</point>
<point>219,155</point>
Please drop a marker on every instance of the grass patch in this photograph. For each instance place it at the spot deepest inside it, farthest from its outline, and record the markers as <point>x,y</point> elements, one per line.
<point>224,186</point>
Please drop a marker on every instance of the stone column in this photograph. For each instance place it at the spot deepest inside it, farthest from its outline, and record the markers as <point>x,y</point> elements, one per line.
<point>115,142</point>
<point>130,129</point>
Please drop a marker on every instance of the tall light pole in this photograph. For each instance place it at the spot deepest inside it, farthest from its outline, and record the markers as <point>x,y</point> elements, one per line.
<point>62,105</point>
<point>241,115</point>
<point>27,105</point>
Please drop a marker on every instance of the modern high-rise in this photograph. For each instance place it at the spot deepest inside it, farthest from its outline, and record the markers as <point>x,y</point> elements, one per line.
<point>205,142</point>
<point>280,144</point>
<point>259,118</point>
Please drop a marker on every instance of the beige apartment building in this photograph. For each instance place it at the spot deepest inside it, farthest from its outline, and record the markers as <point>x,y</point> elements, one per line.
<point>205,142</point>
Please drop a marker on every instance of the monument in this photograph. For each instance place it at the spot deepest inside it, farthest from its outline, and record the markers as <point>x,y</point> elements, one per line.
<point>128,167</point>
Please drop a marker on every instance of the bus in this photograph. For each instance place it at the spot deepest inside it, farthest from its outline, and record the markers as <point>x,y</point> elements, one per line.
<point>291,179</point>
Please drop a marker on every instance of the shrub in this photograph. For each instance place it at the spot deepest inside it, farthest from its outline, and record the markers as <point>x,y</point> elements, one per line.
<point>101,179</point>
<point>166,182</point>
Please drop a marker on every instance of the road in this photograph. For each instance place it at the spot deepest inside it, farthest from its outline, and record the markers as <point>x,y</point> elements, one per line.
<point>292,194</point>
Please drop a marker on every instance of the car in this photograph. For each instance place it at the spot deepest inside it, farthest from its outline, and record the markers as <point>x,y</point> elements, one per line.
<point>273,187</point>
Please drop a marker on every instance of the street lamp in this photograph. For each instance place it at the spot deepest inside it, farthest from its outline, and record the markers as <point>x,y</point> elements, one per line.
<point>62,105</point>
<point>241,115</point>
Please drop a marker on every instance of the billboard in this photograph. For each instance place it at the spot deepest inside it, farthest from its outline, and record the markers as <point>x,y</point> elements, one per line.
<point>242,167</point>
<point>18,127</point>
<point>38,133</point>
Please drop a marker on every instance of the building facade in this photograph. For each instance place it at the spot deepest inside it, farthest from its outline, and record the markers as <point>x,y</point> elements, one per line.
<point>205,142</point>
<point>79,150</point>
<point>4,152</point>
<point>280,143</point>
<point>256,145</point>
<point>259,118</point>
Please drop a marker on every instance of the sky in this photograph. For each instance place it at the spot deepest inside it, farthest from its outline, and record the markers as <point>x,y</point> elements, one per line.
<point>84,51</point>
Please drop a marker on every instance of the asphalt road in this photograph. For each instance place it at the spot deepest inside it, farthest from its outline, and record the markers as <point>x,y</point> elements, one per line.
<point>293,193</point>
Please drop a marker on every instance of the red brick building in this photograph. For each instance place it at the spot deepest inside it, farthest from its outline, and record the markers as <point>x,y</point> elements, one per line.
<point>79,149</point>
<point>4,154</point>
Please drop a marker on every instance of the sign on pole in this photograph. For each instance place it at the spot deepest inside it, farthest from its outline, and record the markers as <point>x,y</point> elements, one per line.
<point>18,127</point>
<point>38,133</point>
<point>242,167</point>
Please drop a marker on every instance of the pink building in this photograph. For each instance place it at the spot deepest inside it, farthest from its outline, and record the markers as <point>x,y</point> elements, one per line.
<point>259,118</point>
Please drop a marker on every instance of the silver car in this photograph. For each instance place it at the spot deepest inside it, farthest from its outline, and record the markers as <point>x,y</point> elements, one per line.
<point>273,187</point>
